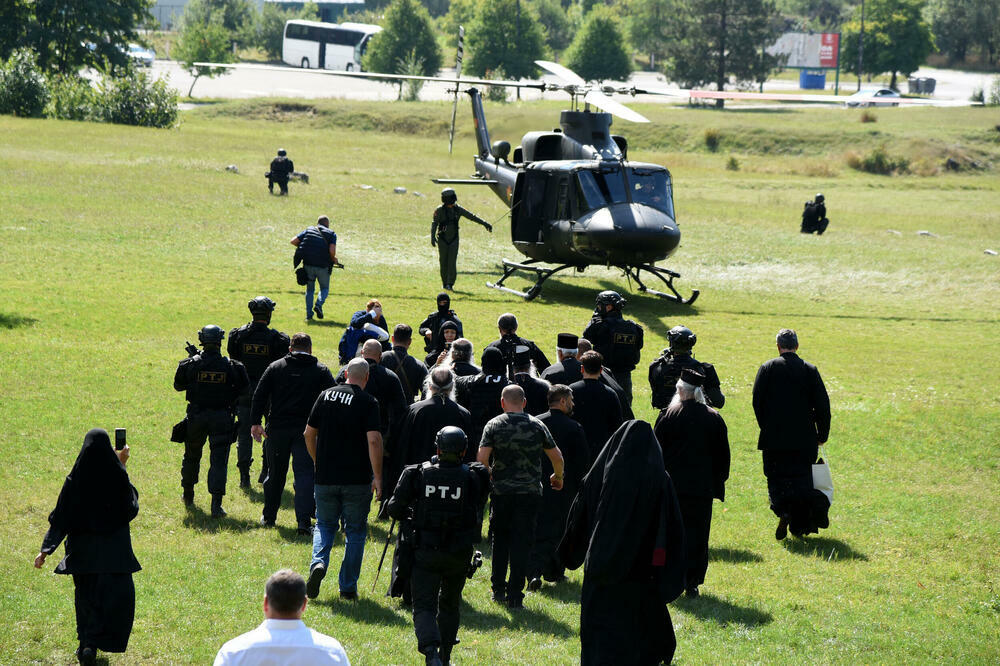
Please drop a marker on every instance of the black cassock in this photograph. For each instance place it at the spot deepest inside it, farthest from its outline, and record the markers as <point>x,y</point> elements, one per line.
<point>92,514</point>
<point>625,528</point>
<point>597,408</point>
<point>695,444</point>
<point>572,442</point>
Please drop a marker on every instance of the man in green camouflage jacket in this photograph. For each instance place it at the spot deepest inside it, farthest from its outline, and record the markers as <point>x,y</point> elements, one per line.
<point>512,448</point>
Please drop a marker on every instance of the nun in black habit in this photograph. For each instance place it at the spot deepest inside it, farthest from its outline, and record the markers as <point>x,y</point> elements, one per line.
<point>92,514</point>
<point>625,528</point>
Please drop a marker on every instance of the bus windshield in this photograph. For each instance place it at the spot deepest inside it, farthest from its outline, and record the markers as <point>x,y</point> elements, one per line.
<point>600,187</point>
<point>652,188</point>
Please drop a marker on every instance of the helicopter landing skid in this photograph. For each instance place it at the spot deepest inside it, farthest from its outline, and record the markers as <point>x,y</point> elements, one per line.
<point>667,276</point>
<point>541,275</point>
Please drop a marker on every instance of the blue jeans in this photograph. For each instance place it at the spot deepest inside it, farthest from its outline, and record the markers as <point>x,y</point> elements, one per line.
<point>350,503</point>
<point>321,275</point>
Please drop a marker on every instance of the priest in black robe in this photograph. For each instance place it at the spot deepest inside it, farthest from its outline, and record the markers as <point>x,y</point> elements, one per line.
<point>596,406</point>
<point>92,514</point>
<point>695,445</point>
<point>625,528</point>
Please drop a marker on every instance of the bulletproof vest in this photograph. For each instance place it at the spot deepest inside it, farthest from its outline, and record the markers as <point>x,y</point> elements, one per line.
<point>256,347</point>
<point>315,248</point>
<point>665,373</point>
<point>623,342</point>
<point>444,512</point>
<point>210,382</point>
<point>811,212</point>
<point>484,397</point>
<point>280,166</point>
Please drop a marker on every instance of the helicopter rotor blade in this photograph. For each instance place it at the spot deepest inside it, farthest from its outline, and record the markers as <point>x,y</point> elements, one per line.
<point>605,103</point>
<point>564,73</point>
<point>459,54</point>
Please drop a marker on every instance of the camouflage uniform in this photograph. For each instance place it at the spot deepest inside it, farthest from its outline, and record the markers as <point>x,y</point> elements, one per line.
<point>518,442</point>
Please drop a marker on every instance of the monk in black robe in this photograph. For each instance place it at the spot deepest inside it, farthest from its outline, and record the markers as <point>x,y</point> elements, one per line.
<point>625,528</point>
<point>695,445</point>
<point>92,514</point>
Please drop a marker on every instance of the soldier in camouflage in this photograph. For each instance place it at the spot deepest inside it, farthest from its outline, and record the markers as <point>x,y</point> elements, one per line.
<point>444,234</point>
<point>512,447</point>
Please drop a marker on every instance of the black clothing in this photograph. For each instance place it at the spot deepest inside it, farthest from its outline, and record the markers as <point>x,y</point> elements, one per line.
<point>572,442</point>
<point>314,246</point>
<point>625,526</point>
<point>624,397</point>
<point>421,424</point>
<point>536,393</point>
<point>344,415</point>
<point>256,346</point>
<point>793,411</point>
<point>480,394</point>
<point>384,386</point>
<point>512,533</point>
<point>92,514</point>
<point>695,447</point>
<point>508,343</point>
<point>598,409</point>
<point>281,169</point>
<point>444,227</point>
<point>465,369</point>
<point>211,380</point>
<point>216,426</point>
<point>288,390</point>
<point>284,444</point>
<point>413,372</point>
<point>814,218</point>
<point>666,370</point>
<point>618,340</point>
<point>565,372</point>
<point>443,501</point>
<point>433,324</point>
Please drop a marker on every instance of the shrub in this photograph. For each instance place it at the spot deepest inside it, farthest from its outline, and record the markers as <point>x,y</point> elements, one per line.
<point>878,161</point>
<point>135,99</point>
<point>23,90</point>
<point>73,98</point>
<point>868,117</point>
<point>411,65</point>
<point>993,98</point>
<point>496,93</point>
<point>733,164</point>
<point>712,138</point>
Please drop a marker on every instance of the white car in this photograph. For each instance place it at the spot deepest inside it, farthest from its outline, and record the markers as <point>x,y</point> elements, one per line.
<point>141,55</point>
<point>873,97</point>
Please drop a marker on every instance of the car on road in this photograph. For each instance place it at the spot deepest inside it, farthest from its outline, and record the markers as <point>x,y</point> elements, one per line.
<point>873,97</point>
<point>141,55</point>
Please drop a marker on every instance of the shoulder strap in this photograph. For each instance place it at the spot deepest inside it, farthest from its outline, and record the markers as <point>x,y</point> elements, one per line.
<point>402,374</point>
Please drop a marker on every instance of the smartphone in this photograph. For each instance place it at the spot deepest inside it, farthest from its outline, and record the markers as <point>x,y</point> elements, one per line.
<point>119,439</point>
<point>447,345</point>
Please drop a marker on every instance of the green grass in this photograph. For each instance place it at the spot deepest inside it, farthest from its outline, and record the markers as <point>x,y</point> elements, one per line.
<point>119,243</point>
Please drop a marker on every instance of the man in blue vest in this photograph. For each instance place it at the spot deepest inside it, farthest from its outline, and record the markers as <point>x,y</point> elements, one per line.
<point>317,247</point>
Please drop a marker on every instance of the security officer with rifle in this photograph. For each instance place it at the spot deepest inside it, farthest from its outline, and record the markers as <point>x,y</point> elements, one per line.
<point>666,370</point>
<point>443,501</point>
<point>256,346</point>
<point>617,339</point>
<point>213,384</point>
<point>444,234</point>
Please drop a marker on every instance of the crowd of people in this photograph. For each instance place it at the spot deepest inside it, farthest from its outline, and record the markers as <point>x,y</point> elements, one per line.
<point>570,477</point>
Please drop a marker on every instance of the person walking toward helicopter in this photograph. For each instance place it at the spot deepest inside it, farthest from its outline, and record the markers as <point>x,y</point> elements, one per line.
<point>444,234</point>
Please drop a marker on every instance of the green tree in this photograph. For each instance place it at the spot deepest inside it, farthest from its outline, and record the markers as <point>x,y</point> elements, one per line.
<point>559,29</point>
<point>460,13</point>
<point>406,37</point>
<point>15,15</point>
<point>960,26</point>
<point>270,27</point>
<point>504,33</point>
<point>647,26</point>
<point>23,90</point>
<point>598,51</point>
<point>826,15</point>
<point>236,16</point>
<point>716,41</point>
<point>897,39</point>
<point>203,42</point>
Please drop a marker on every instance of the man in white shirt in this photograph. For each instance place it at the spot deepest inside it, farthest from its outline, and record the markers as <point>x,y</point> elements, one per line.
<point>283,638</point>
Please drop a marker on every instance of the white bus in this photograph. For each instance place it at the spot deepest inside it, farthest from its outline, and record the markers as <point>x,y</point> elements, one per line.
<point>311,44</point>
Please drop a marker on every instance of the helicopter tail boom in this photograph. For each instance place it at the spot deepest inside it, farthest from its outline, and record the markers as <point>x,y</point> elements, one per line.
<point>479,118</point>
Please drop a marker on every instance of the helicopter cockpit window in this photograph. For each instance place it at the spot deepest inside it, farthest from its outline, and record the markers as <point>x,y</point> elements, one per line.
<point>600,187</point>
<point>651,188</point>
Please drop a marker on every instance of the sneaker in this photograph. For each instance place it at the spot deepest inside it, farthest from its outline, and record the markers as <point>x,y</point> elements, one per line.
<point>350,596</point>
<point>534,584</point>
<point>782,530</point>
<point>319,311</point>
<point>316,575</point>
<point>264,522</point>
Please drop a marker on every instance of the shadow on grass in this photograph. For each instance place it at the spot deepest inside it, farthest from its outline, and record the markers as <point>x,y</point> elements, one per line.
<point>198,519</point>
<point>256,495</point>
<point>15,321</point>
<point>722,612</point>
<point>733,555</point>
<point>567,591</point>
<point>863,317</point>
<point>827,548</point>
<point>526,619</point>
<point>364,609</point>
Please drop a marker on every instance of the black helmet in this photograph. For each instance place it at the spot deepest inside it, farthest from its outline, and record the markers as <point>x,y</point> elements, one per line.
<point>609,298</point>
<point>819,197</point>
<point>281,152</point>
<point>261,305</point>
<point>681,339</point>
<point>451,440</point>
<point>448,196</point>
<point>211,335</point>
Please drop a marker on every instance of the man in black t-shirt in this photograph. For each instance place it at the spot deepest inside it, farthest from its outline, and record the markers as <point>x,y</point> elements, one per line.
<point>343,438</point>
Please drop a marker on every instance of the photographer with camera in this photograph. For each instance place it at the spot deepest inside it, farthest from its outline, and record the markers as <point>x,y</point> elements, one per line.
<point>443,500</point>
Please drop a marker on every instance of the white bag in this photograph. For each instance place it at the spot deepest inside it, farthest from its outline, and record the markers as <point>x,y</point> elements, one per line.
<point>822,480</point>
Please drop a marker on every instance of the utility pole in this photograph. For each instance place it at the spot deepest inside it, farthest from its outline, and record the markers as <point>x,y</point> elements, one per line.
<point>861,44</point>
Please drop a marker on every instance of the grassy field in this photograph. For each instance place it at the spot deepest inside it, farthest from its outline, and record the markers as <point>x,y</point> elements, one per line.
<point>120,243</point>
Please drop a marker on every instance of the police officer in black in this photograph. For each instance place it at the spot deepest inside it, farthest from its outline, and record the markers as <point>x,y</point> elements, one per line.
<point>509,342</point>
<point>281,169</point>
<point>214,384</point>
<point>256,346</point>
<point>814,216</point>
<point>666,370</point>
<point>444,234</point>
<point>617,339</point>
<point>430,328</point>
<point>443,498</point>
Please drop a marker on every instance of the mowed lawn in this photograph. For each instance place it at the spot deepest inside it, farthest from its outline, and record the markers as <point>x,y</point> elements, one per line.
<point>119,243</point>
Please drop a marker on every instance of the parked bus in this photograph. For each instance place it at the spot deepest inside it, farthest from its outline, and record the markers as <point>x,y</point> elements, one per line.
<point>311,44</point>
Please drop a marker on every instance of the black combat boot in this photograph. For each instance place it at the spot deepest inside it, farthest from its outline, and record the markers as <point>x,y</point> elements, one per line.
<point>217,510</point>
<point>245,478</point>
<point>432,658</point>
<point>188,496</point>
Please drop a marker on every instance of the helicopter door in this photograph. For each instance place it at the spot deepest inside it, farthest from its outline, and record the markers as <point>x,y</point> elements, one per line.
<point>528,206</point>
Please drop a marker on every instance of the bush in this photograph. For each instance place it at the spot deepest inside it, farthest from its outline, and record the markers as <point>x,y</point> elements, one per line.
<point>733,164</point>
<point>135,99</point>
<point>712,139</point>
<point>868,117</point>
<point>23,90</point>
<point>878,161</point>
<point>73,98</point>
<point>412,65</point>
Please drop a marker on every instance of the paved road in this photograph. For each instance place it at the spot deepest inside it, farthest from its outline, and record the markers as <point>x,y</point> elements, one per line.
<point>293,82</point>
